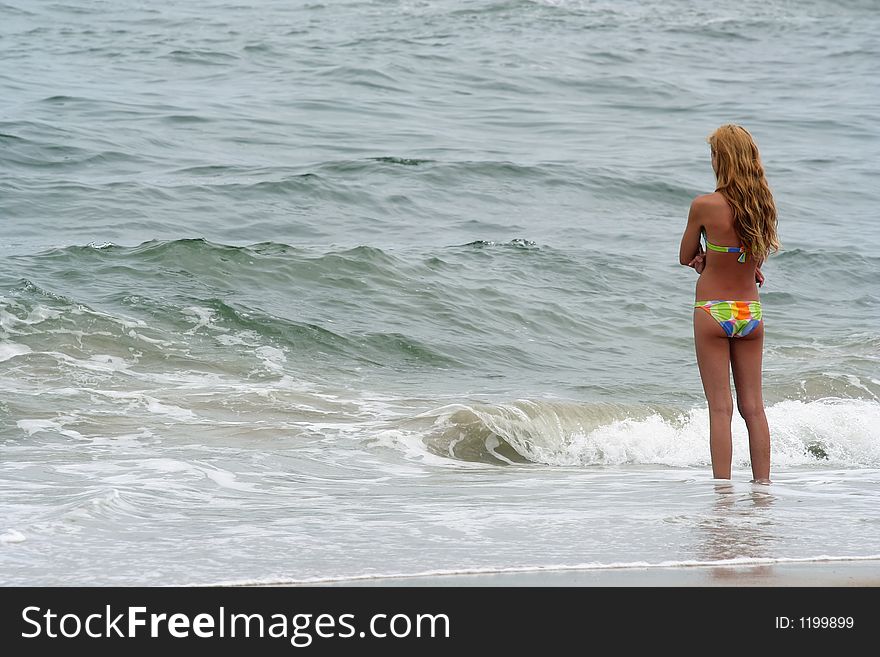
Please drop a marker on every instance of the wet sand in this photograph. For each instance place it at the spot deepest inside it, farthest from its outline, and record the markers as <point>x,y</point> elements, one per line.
<point>836,573</point>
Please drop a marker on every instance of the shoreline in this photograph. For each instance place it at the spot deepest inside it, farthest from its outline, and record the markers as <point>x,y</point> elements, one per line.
<point>855,573</point>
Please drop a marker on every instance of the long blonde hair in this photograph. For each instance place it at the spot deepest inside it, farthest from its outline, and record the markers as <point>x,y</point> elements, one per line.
<point>740,179</point>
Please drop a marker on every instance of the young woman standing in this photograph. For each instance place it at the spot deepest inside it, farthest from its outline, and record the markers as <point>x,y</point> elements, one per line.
<point>738,222</point>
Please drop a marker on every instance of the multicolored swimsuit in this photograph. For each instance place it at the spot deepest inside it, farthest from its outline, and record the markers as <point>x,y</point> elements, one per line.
<point>737,318</point>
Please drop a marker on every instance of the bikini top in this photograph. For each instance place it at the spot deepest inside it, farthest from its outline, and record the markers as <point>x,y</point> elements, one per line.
<point>726,249</point>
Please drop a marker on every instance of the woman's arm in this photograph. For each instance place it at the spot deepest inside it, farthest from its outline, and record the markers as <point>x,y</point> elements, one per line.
<point>690,242</point>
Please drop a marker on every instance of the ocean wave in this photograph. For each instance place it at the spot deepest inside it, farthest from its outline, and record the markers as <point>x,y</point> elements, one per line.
<point>201,56</point>
<point>12,9</point>
<point>154,325</point>
<point>33,154</point>
<point>494,307</point>
<point>516,243</point>
<point>810,259</point>
<point>331,177</point>
<point>830,432</point>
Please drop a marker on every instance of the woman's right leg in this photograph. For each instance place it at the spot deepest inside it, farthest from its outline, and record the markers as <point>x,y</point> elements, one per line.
<point>713,358</point>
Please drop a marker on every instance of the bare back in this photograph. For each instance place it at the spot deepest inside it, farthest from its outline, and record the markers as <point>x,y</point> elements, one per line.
<point>723,277</point>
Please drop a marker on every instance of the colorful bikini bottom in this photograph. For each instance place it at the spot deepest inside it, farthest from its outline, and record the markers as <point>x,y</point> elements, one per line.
<point>737,318</point>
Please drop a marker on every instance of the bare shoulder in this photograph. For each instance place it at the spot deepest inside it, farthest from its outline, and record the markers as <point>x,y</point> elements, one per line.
<point>710,205</point>
<point>712,200</point>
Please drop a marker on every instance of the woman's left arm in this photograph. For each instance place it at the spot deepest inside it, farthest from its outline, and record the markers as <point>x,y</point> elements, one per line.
<point>691,250</point>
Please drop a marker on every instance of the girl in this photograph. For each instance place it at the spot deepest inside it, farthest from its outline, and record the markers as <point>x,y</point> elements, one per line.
<point>728,326</point>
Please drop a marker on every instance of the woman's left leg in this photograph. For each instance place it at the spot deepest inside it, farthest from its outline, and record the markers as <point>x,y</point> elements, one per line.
<point>745,358</point>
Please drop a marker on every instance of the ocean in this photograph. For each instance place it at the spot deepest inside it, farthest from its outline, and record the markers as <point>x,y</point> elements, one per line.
<point>316,291</point>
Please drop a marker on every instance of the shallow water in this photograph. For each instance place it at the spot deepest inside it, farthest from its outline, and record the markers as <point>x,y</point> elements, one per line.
<point>311,291</point>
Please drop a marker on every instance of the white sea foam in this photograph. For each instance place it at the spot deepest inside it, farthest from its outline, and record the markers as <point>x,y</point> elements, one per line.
<point>12,536</point>
<point>33,426</point>
<point>226,479</point>
<point>272,357</point>
<point>11,350</point>
<point>155,406</point>
<point>140,336</point>
<point>11,323</point>
<point>203,317</point>
<point>95,362</point>
<point>247,338</point>
<point>151,404</point>
<point>836,432</point>
<point>128,439</point>
<point>411,444</point>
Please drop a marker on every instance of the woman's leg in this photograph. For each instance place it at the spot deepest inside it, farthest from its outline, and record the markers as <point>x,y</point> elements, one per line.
<point>745,357</point>
<point>713,357</point>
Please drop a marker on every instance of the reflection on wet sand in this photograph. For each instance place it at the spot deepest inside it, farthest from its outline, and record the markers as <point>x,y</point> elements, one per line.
<point>739,525</point>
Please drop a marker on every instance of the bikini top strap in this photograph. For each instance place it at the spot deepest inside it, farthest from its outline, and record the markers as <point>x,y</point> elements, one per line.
<point>726,249</point>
